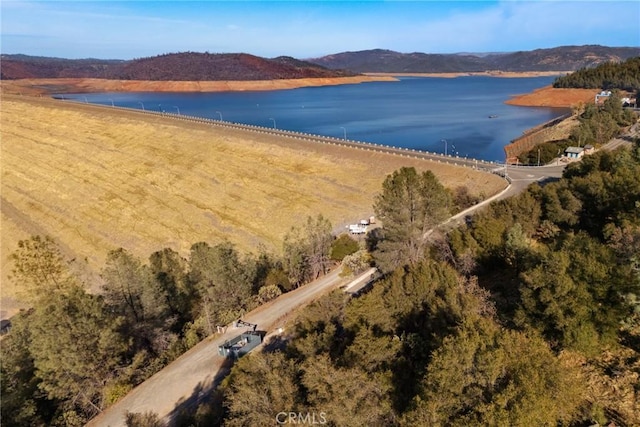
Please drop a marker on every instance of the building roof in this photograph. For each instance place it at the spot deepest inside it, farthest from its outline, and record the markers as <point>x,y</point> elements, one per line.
<point>575,150</point>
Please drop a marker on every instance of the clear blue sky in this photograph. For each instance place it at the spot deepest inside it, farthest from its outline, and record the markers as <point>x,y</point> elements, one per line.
<point>305,29</point>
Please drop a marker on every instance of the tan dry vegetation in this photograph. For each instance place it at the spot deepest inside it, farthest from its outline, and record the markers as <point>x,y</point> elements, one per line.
<point>98,178</point>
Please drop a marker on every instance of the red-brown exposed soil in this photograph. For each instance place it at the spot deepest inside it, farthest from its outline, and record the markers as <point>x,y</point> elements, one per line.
<point>552,97</point>
<point>86,85</point>
<point>543,97</point>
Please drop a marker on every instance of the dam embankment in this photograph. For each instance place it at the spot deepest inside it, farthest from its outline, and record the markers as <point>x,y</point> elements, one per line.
<point>553,130</point>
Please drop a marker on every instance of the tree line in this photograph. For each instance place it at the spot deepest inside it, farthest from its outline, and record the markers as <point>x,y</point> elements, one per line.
<point>527,315</point>
<point>607,76</point>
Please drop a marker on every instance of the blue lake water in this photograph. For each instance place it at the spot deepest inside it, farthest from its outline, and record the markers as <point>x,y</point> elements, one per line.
<point>414,112</point>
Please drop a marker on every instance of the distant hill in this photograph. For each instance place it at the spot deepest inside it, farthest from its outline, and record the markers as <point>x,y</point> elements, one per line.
<point>384,61</point>
<point>24,67</point>
<point>188,66</point>
<point>564,58</point>
<point>192,66</point>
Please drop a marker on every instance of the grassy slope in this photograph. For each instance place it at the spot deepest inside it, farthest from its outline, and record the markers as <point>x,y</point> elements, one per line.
<point>97,178</point>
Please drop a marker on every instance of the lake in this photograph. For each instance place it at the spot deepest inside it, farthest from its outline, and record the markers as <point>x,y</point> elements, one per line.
<point>465,115</point>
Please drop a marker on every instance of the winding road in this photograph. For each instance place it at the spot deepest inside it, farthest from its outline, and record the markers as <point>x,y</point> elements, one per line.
<point>185,381</point>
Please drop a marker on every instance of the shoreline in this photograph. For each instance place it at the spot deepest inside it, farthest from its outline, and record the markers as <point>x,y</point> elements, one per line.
<point>39,87</point>
<point>549,96</point>
<point>490,73</point>
<point>542,97</point>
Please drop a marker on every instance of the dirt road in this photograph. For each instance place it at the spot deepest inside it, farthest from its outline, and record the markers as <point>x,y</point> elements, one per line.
<point>196,372</point>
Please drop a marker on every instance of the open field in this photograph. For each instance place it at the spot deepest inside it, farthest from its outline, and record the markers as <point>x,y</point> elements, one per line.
<point>98,178</point>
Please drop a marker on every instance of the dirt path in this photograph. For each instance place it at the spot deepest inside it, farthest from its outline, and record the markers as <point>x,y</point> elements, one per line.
<point>190,377</point>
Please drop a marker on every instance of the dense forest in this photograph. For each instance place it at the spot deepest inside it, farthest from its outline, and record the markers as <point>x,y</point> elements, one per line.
<point>607,76</point>
<point>527,315</point>
<point>596,126</point>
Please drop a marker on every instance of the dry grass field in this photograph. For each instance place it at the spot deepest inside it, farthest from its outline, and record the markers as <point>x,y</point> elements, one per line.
<point>98,178</point>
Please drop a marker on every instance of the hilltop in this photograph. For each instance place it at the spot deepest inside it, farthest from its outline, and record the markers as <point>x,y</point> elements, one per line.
<point>186,66</point>
<point>563,58</point>
<point>193,66</point>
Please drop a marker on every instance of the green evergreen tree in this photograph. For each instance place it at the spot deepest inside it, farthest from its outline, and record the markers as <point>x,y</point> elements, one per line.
<point>409,206</point>
<point>261,386</point>
<point>130,291</point>
<point>40,270</point>
<point>76,348</point>
<point>22,403</point>
<point>484,375</point>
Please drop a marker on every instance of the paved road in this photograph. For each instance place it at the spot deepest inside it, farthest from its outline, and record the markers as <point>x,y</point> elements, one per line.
<point>521,176</point>
<point>367,146</point>
<point>623,140</point>
<point>196,372</point>
<point>183,382</point>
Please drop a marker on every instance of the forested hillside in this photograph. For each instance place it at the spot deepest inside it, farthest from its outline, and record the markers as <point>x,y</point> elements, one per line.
<point>610,75</point>
<point>196,66</point>
<point>185,66</point>
<point>562,58</point>
<point>528,315</point>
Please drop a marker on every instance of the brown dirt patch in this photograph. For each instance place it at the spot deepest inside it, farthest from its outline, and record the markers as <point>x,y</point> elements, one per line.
<point>98,178</point>
<point>552,97</point>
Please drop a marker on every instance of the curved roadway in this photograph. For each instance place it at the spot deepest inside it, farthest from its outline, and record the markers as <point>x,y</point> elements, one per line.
<point>191,376</point>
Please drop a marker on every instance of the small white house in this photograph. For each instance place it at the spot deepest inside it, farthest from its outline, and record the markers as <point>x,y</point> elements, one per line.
<point>574,152</point>
<point>603,94</point>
